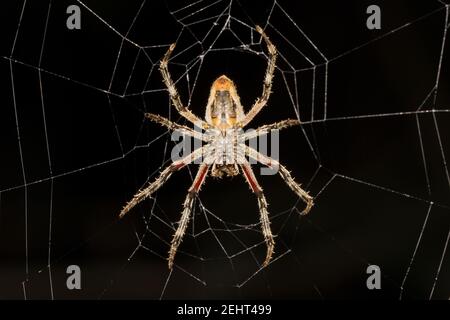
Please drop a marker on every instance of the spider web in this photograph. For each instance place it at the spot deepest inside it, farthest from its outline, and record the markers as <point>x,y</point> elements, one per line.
<point>372,149</point>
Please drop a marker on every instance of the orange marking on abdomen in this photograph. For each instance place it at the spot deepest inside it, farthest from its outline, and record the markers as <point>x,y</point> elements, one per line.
<point>222,83</point>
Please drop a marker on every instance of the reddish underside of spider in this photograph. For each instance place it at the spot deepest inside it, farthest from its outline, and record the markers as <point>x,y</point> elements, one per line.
<point>224,151</point>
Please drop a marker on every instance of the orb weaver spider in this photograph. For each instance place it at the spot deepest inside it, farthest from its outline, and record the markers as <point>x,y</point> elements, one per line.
<point>224,120</point>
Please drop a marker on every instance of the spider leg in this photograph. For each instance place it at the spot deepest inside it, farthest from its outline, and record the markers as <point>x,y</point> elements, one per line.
<point>186,213</point>
<point>285,174</point>
<point>264,213</point>
<point>162,178</point>
<point>174,126</point>
<point>267,86</point>
<point>174,95</point>
<point>273,126</point>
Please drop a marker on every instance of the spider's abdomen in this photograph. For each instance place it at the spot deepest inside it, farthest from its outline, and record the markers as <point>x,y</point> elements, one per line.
<point>224,110</point>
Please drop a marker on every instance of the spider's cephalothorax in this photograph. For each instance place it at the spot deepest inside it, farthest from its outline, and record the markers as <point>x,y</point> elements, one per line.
<point>224,151</point>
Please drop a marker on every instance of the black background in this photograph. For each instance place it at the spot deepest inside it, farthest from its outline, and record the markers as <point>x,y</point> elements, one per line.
<point>352,224</point>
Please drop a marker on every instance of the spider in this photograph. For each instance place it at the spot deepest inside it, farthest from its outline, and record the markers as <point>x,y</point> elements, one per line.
<point>224,150</point>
